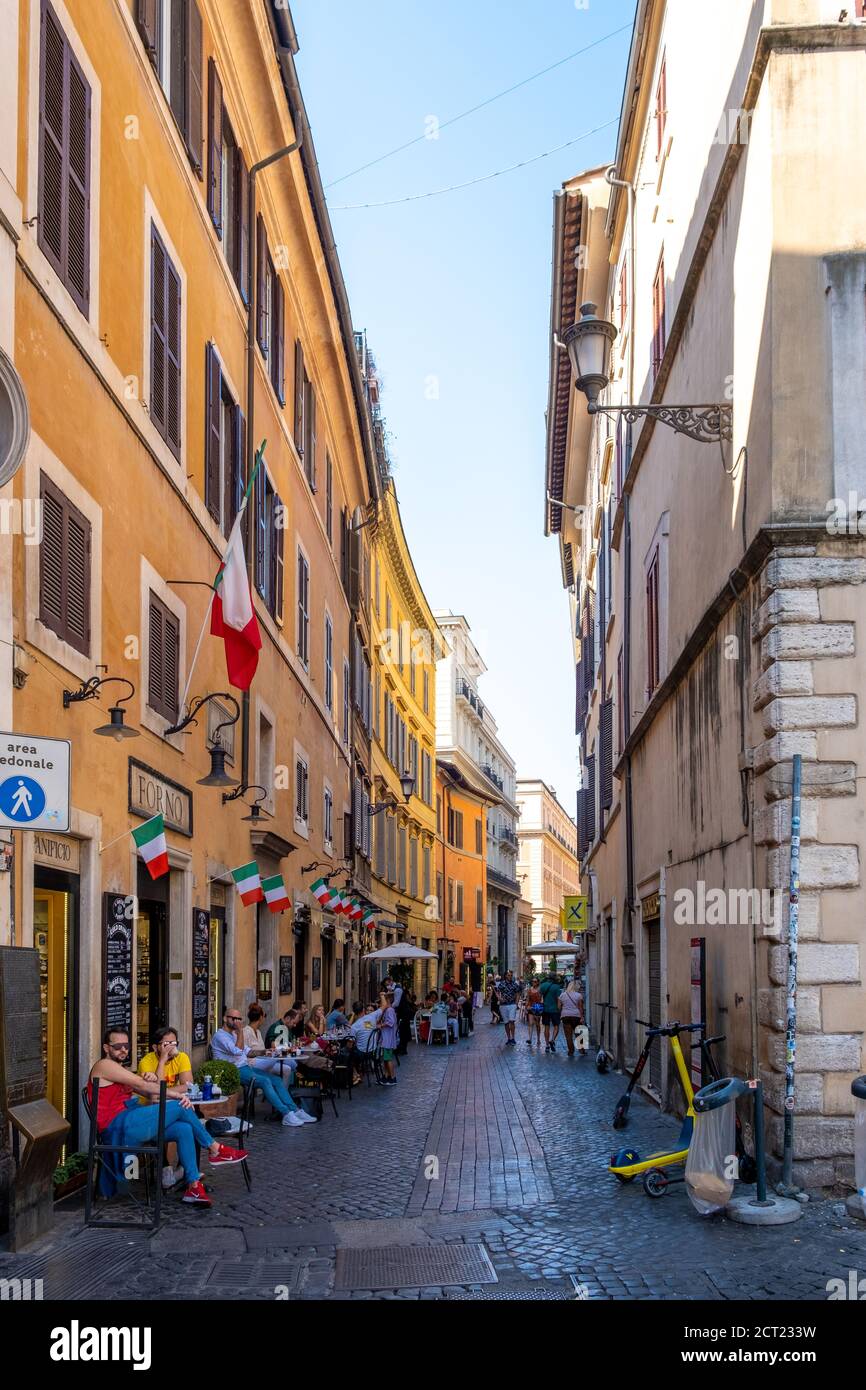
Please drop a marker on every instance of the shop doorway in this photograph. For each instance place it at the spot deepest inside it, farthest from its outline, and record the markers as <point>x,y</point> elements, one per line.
<point>151,945</point>
<point>55,936</point>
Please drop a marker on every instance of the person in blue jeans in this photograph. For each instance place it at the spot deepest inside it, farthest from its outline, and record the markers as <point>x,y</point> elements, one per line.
<point>227,1046</point>
<point>121,1118</point>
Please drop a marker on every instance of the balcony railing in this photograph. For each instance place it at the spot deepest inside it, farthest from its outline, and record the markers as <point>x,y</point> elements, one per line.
<point>492,777</point>
<point>502,881</point>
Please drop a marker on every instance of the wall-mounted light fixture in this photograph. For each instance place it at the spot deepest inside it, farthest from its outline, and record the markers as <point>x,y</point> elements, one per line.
<point>217,777</point>
<point>89,689</point>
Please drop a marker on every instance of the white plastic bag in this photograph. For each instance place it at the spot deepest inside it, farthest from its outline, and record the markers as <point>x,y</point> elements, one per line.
<point>711,1157</point>
<point>860,1150</point>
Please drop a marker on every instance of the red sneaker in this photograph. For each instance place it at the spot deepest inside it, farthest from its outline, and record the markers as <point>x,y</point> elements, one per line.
<point>227,1155</point>
<point>196,1195</point>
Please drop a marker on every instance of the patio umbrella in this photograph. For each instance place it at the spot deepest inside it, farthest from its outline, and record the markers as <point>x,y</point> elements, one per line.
<point>553,948</point>
<point>398,952</point>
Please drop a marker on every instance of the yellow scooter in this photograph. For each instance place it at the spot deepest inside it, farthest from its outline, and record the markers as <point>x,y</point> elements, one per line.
<point>627,1164</point>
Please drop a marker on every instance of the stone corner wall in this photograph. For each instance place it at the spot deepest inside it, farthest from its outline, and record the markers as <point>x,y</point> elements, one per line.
<point>800,637</point>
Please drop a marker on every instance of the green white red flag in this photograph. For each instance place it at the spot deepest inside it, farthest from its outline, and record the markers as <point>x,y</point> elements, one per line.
<point>367,919</point>
<point>249,883</point>
<point>320,890</point>
<point>233,616</point>
<point>150,840</point>
<point>275,893</point>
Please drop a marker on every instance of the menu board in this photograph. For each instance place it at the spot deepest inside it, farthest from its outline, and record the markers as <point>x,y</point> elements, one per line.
<point>285,974</point>
<point>200,973</point>
<point>117,977</point>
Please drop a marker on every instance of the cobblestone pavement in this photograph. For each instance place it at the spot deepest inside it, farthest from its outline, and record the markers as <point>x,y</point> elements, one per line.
<point>498,1154</point>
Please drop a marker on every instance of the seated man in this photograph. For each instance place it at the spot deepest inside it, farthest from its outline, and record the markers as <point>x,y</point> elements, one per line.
<point>281,1031</point>
<point>226,1047</point>
<point>122,1119</point>
<point>364,1028</point>
<point>337,1017</point>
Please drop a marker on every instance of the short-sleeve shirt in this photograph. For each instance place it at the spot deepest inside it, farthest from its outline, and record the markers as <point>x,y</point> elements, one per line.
<point>173,1068</point>
<point>508,991</point>
<point>572,1003</point>
<point>550,992</point>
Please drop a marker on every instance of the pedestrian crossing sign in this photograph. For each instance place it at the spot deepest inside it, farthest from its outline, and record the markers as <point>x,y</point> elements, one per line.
<point>574,914</point>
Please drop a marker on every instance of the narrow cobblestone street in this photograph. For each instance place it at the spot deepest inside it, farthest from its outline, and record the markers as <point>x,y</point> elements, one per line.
<point>522,1141</point>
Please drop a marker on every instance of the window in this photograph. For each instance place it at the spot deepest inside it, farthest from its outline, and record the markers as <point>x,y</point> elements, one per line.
<point>620,703</point>
<point>661,105</point>
<point>234,225</point>
<point>64,568</point>
<point>623,296</point>
<point>270,543</point>
<point>425,871</point>
<point>225,446</point>
<point>63,210</point>
<point>310,432</point>
<point>413,762</point>
<point>425,682</point>
<point>163,662</point>
<point>302,787</point>
<point>328,822</point>
<point>377,707</point>
<point>265,768</point>
<point>379,825</point>
<point>303,608</point>
<point>451,899</point>
<point>438,814</point>
<point>659,339</point>
<point>392,847</point>
<point>347,700</point>
<point>376,592</point>
<point>455,828</point>
<point>165,339</point>
<point>329,663</point>
<point>479,906</point>
<point>411,671</point>
<point>439,896</point>
<point>401,858</point>
<point>458,914</point>
<point>426,777</point>
<point>270,312</point>
<point>172,34</point>
<point>652,622</point>
<point>329,498</point>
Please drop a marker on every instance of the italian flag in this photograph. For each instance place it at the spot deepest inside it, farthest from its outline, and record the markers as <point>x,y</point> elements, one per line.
<point>320,890</point>
<point>232,614</point>
<point>332,902</point>
<point>275,893</point>
<point>345,905</point>
<point>368,917</point>
<point>150,839</point>
<point>249,883</point>
<point>355,911</point>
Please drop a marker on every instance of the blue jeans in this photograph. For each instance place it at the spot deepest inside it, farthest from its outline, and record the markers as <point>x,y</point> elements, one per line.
<point>271,1087</point>
<point>138,1124</point>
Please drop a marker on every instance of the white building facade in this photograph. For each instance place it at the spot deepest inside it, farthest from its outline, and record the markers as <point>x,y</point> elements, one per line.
<point>547,867</point>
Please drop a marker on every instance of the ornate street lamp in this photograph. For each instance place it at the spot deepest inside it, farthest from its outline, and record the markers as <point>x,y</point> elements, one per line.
<point>88,690</point>
<point>589,342</point>
<point>217,777</point>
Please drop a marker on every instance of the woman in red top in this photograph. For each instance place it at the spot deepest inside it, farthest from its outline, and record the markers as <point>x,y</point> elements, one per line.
<point>121,1119</point>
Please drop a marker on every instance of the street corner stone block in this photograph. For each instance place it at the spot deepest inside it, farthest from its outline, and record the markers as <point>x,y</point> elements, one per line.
<point>807,642</point>
<point>782,747</point>
<point>828,963</point>
<point>786,606</point>
<point>773,823</point>
<point>810,712</point>
<point>783,678</point>
<point>816,571</point>
<point>772,1002</point>
<point>818,779</point>
<point>821,866</point>
<point>815,1136</point>
<point>817,1052</point>
<point>813,1173</point>
<point>808,1092</point>
<point>838,1099</point>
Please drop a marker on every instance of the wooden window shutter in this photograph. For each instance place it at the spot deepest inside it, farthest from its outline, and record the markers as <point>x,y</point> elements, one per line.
<point>299,398</point>
<point>155,654</point>
<point>171,670</point>
<point>279,559</point>
<point>605,771</point>
<point>51,609</point>
<point>261,305</point>
<point>590,799</point>
<point>63,210</point>
<point>260,530</point>
<point>214,146</point>
<point>354,566</point>
<point>148,19</point>
<point>157,330</point>
<point>172,359</point>
<point>602,579</point>
<point>64,568</point>
<point>193,103</point>
<point>239,465</point>
<point>243,228</point>
<point>310,433</point>
<point>278,332</point>
<point>213,433</point>
<point>163,659</point>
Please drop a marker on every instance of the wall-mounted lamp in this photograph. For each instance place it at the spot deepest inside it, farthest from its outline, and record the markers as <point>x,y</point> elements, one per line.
<point>255,807</point>
<point>264,984</point>
<point>217,777</point>
<point>407,786</point>
<point>89,689</point>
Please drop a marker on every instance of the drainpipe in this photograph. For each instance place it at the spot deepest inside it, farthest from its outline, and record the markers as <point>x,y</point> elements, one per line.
<point>250,537</point>
<point>630,904</point>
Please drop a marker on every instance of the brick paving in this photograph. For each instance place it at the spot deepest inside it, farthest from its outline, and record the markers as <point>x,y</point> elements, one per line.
<point>522,1140</point>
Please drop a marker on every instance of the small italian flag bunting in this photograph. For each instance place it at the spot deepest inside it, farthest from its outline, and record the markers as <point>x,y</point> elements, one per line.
<point>367,917</point>
<point>332,902</point>
<point>150,840</point>
<point>320,890</point>
<point>356,910</point>
<point>275,893</point>
<point>249,883</point>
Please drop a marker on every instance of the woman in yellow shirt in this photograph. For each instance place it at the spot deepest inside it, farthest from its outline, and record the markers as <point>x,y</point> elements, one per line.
<point>165,1061</point>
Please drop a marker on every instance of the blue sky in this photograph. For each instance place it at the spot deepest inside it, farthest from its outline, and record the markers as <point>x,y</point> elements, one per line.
<point>454,292</point>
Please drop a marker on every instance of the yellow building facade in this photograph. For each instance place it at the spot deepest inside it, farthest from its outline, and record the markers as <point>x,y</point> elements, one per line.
<point>134,282</point>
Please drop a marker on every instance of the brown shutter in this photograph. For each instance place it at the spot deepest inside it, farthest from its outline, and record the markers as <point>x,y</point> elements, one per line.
<point>260,529</point>
<point>51,559</point>
<point>155,654</point>
<point>63,211</point>
<point>213,433</point>
<point>157,331</point>
<point>77,577</point>
<point>214,146</point>
<point>278,362</point>
<point>279,558</point>
<point>177,57</point>
<point>173,363</point>
<point>192,125</point>
<point>261,307</point>
<point>605,770</point>
<point>148,19</point>
<point>52,151</point>
<point>64,568</point>
<point>78,187</point>
<point>310,431</point>
<point>243,223</point>
<point>163,659</point>
<point>171,668</point>
<point>239,464</point>
<point>299,398</point>
<point>590,800</point>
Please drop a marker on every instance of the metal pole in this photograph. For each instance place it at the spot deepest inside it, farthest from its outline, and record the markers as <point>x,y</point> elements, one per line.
<point>760,1159</point>
<point>786,1187</point>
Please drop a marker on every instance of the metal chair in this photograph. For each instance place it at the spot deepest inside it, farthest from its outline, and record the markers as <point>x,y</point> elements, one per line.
<point>151,1153</point>
<point>315,1081</point>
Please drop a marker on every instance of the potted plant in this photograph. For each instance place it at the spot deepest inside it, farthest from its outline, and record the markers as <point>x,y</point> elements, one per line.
<point>70,1175</point>
<point>227,1077</point>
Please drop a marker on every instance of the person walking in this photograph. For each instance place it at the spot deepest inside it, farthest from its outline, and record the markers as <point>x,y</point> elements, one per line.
<point>571,1014</point>
<point>387,1026</point>
<point>534,1005</point>
<point>508,991</point>
<point>495,1012</point>
<point>551,989</point>
<point>404,1008</point>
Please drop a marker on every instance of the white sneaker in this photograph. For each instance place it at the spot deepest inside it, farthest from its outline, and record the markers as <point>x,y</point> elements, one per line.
<point>168,1178</point>
<point>306,1118</point>
<point>292,1118</point>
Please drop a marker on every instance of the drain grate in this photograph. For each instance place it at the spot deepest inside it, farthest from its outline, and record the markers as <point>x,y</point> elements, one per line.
<point>526,1295</point>
<point>253,1274</point>
<point>79,1268</point>
<point>413,1267</point>
<point>232,1273</point>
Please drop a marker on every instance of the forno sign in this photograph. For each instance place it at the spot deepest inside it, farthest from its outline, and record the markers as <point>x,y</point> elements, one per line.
<point>151,794</point>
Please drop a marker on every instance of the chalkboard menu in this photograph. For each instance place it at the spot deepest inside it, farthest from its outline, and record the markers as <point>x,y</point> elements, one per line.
<point>117,976</point>
<point>200,973</point>
<point>285,974</point>
<point>20,1025</point>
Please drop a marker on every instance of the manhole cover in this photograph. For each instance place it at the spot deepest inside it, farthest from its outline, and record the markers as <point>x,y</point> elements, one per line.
<point>413,1267</point>
<point>516,1295</point>
<point>78,1269</point>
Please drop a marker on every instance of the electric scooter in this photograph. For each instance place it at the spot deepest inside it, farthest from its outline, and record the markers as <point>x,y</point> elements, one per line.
<point>603,1058</point>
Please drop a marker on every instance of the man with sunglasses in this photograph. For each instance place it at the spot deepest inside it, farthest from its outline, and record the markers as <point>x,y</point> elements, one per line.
<point>227,1046</point>
<point>122,1119</point>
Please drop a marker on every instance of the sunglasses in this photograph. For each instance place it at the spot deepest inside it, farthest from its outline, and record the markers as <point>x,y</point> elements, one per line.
<point>118,1047</point>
